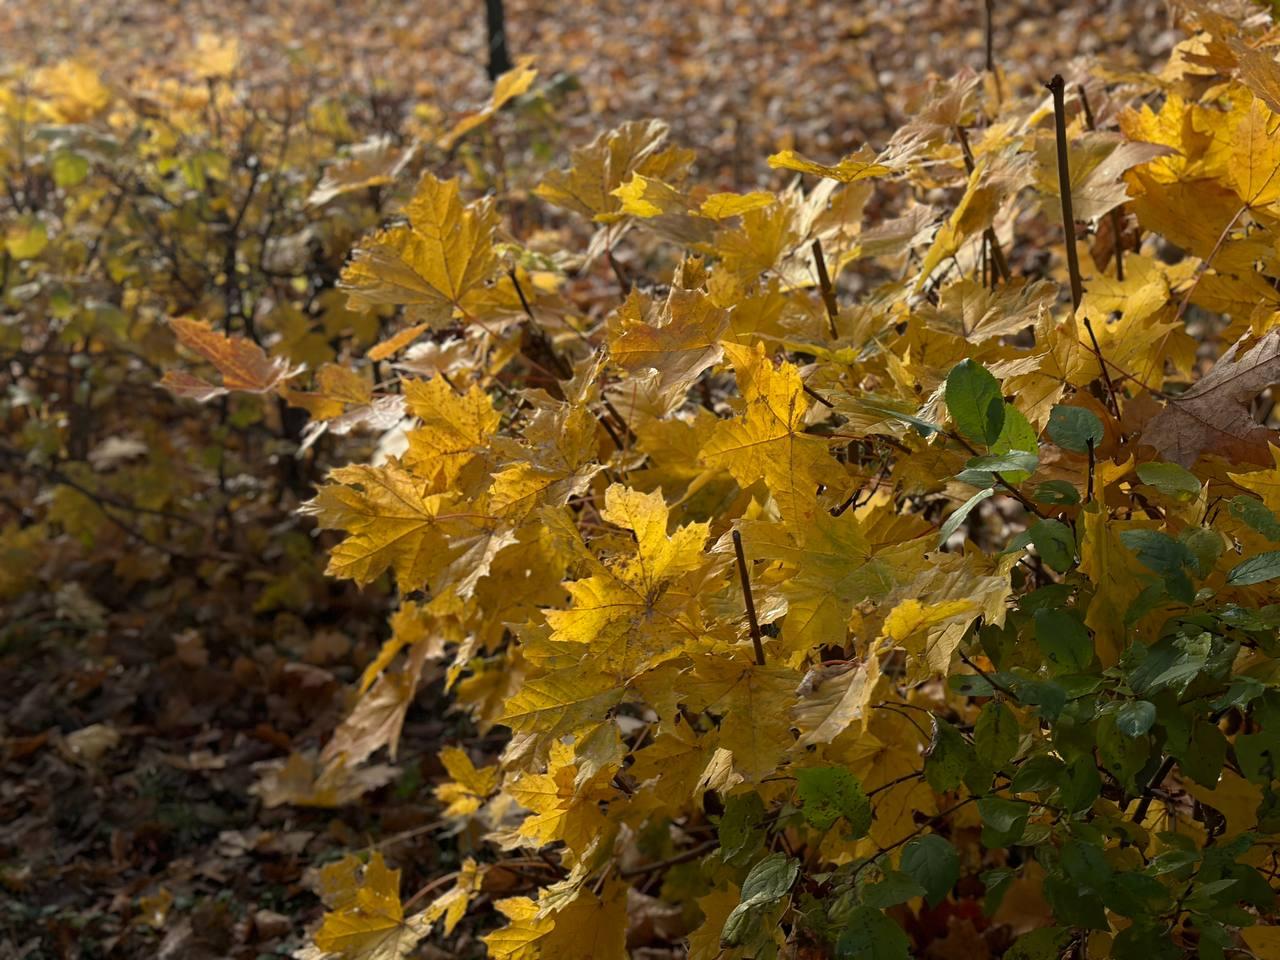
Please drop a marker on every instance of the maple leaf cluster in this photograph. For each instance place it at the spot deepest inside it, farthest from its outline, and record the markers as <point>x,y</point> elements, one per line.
<point>817,608</point>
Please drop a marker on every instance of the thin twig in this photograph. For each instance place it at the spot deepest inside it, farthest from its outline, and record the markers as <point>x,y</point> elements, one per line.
<point>817,396</point>
<point>1116,212</point>
<point>989,234</point>
<point>988,677</point>
<point>1102,362</point>
<point>1088,497</point>
<point>746,593</point>
<point>1157,778</point>
<point>1057,87</point>
<point>828,292</point>
<point>1009,488</point>
<point>693,853</point>
<point>1204,264</point>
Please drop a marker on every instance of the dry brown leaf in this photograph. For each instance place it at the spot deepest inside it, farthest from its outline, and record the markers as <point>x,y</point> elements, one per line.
<point>243,364</point>
<point>1214,415</point>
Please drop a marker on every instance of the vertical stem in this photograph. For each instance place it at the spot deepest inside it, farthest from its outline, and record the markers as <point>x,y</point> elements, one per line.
<point>746,593</point>
<point>1117,212</point>
<point>828,291</point>
<point>1088,497</point>
<point>1084,103</point>
<point>1057,87</point>
<point>495,18</point>
<point>989,26</point>
<point>1106,374</point>
<point>999,263</point>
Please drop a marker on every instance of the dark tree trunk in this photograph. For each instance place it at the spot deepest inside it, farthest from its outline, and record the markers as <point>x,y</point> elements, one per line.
<point>496,20</point>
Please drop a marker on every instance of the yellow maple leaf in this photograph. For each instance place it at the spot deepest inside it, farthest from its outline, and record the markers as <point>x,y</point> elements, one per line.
<point>391,524</point>
<point>1234,797</point>
<point>1265,483</point>
<point>609,161</point>
<point>591,927</point>
<point>754,705</point>
<point>680,342</point>
<point>911,616</point>
<point>638,609</point>
<point>1263,941</point>
<point>521,938</point>
<point>647,197</point>
<point>452,904</point>
<point>429,265</point>
<point>859,165</point>
<point>373,163</point>
<point>1254,168</point>
<point>507,87</point>
<point>563,807</point>
<point>454,428</point>
<point>555,461</point>
<point>829,569</point>
<point>302,781</point>
<point>366,920</point>
<point>768,441</point>
<point>722,206</point>
<point>410,625</point>
<point>832,698</point>
<point>470,787</point>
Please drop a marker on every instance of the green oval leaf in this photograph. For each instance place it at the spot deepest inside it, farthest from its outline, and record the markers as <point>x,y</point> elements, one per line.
<point>1072,428</point>
<point>1263,567</point>
<point>829,793</point>
<point>974,401</point>
<point>933,863</point>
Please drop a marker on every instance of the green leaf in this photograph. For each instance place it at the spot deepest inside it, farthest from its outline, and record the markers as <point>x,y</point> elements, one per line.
<point>1082,786</point>
<point>957,518</point>
<point>1043,944</point>
<point>997,883</point>
<point>1135,718</point>
<point>739,829</point>
<point>926,428</point>
<point>1259,756</point>
<point>25,237</point>
<point>1072,428</point>
<point>1016,434</point>
<point>1120,753</point>
<point>1004,821</point>
<point>1164,555</point>
<point>1056,493</point>
<point>1170,479</point>
<point>948,758</point>
<point>1055,543</point>
<point>1064,640</point>
<point>974,401</point>
<point>1206,754</point>
<point>870,935</point>
<point>1263,567</point>
<point>1085,865</point>
<point>1254,513</point>
<point>769,881</point>
<point>933,863</point>
<point>995,736</point>
<point>896,887</point>
<point>1205,546</point>
<point>1010,461</point>
<point>829,793</point>
<point>1038,775</point>
<point>1156,551</point>
<point>69,168</point>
